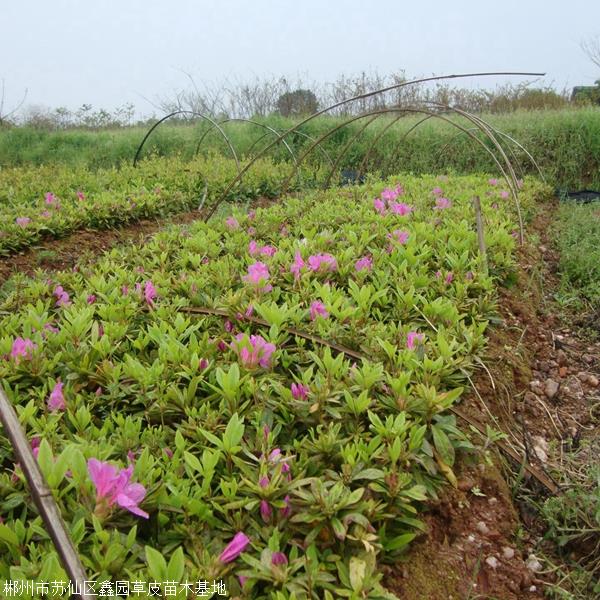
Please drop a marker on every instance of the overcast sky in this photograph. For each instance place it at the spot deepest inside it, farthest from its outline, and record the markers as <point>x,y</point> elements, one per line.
<point>109,52</point>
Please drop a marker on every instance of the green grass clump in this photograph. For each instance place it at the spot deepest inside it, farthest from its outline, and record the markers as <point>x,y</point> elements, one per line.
<point>578,239</point>
<point>565,143</point>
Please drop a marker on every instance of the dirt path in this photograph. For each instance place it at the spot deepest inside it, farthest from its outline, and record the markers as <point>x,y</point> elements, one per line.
<point>539,384</point>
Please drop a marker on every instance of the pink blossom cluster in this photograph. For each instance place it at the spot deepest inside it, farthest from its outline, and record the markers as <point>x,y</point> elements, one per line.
<point>317,309</point>
<point>364,264</point>
<point>115,487</point>
<point>62,296</point>
<point>253,351</point>
<point>254,249</point>
<point>258,276</point>
<point>388,197</point>
<point>322,263</point>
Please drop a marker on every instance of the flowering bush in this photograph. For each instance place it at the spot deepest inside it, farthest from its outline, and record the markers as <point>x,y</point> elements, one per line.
<point>256,451</point>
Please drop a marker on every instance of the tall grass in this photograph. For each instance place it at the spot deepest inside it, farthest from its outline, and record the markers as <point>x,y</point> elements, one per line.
<point>565,143</point>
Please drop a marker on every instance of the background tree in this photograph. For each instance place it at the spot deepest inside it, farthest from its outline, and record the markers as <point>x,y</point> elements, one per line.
<point>297,103</point>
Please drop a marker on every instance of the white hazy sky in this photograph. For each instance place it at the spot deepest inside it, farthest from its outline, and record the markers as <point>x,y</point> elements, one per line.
<point>109,52</point>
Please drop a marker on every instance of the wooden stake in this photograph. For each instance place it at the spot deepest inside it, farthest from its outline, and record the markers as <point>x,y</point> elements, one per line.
<point>42,496</point>
<point>480,238</point>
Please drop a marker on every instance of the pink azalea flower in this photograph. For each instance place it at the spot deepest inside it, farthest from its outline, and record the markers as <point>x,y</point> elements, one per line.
<point>469,276</point>
<point>35,445</point>
<point>251,230</point>
<point>253,351</point>
<point>124,290</point>
<point>203,364</point>
<point>297,265</point>
<point>322,262</point>
<point>400,208</point>
<point>149,293</point>
<point>45,214</point>
<point>258,276</point>
<point>168,452</point>
<point>299,391</point>
<point>437,191</point>
<point>266,512</point>
<point>364,263</point>
<point>22,347</point>
<point>56,400</point>
<point>80,195</point>
<point>413,337</point>
<point>22,221</point>
<point>442,203</point>
<point>253,248</point>
<point>228,325</point>
<point>50,198</point>
<point>317,309</point>
<point>251,214</point>
<point>504,194</point>
<point>493,181</point>
<point>379,206</point>
<point>399,236</point>
<point>115,487</point>
<point>91,299</point>
<point>449,277</point>
<point>242,580</point>
<point>268,250</point>
<point>62,296</point>
<point>279,558</point>
<point>249,311</point>
<point>232,223</point>
<point>237,545</point>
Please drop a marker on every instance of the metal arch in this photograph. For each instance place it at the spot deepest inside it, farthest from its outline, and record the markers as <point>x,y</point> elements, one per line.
<point>364,161</point>
<point>195,114</point>
<point>346,148</point>
<point>438,114</point>
<point>211,211</point>
<point>270,129</point>
<point>511,139</point>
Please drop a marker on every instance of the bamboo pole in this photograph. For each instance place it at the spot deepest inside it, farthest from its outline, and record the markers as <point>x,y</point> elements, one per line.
<point>42,496</point>
<point>480,238</point>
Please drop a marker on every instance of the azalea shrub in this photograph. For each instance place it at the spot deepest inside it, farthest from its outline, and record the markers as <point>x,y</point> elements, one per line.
<point>52,202</point>
<point>262,399</point>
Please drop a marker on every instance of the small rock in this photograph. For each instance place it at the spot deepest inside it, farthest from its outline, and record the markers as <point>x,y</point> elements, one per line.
<point>465,484</point>
<point>582,376</point>
<point>593,381</point>
<point>482,528</point>
<point>471,538</point>
<point>540,447</point>
<point>492,561</point>
<point>493,500</point>
<point>563,371</point>
<point>508,552</point>
<point>588,358</point>
<point>533,564</point>
<point>533,589</point>
<point>543,249</point>
<point>562,359</point>
<point>551,388</point>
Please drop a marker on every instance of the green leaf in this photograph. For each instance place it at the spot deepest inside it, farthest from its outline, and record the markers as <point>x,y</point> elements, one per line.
<point>8,535</point>
<point>443,445</point>
<point>157,566</point>
<point>176,565</point>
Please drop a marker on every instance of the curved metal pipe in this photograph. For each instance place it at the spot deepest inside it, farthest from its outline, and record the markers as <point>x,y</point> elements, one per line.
<point>195,114</point>
<point>353,99</point>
